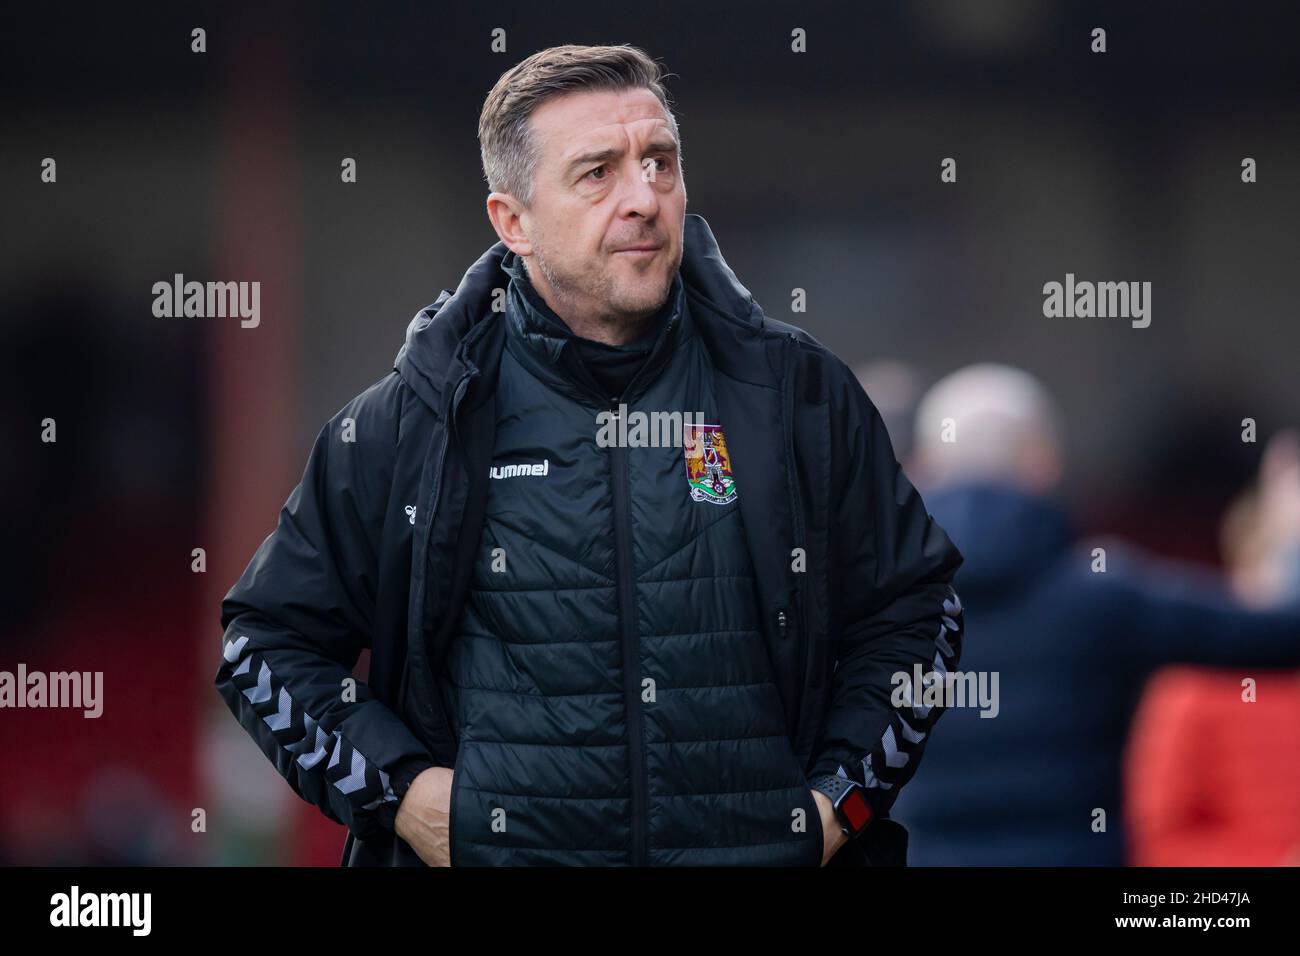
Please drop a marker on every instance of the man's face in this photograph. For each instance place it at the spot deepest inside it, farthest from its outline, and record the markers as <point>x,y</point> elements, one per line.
<point>609,205</point>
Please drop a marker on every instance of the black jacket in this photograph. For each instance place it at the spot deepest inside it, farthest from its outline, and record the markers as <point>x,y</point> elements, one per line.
<point>374,549</point>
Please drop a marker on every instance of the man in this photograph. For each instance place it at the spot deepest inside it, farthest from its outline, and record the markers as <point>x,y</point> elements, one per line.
<point>1072,633</point>
<point>590,646</point>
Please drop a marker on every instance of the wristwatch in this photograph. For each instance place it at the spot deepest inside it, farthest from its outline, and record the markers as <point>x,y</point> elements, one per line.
<point>849,800</point>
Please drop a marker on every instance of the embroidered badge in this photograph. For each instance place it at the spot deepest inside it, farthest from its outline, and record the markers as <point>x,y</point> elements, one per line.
<point>708,465</point>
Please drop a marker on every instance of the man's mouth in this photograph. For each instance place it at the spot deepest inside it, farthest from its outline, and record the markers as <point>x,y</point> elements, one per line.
<point>639,251</point>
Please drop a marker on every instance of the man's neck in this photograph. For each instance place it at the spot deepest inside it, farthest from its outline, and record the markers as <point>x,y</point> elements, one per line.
<point>607,328</point>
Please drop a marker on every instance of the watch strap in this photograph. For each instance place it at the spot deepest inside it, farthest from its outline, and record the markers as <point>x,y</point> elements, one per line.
<point>848,799</point>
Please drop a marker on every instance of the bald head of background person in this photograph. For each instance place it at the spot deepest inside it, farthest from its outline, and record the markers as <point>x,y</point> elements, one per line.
<point>988,423</point>
<point>1072,637</point>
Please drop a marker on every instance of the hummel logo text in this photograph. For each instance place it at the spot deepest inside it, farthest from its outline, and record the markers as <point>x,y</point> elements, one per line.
<point>518,471</point>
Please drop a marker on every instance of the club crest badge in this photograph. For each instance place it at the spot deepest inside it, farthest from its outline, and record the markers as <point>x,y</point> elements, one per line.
<point>708,464</point>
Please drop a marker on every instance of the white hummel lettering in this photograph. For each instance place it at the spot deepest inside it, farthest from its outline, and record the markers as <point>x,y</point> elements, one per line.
<point>519,471</point>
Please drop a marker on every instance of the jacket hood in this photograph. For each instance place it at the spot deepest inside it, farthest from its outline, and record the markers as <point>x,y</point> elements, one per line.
<point>1007,536</point>
<point>435,334</point>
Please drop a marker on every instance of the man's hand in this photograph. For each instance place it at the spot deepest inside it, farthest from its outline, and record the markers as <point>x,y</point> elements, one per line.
<point>832,834</point>
<point>424,814</point>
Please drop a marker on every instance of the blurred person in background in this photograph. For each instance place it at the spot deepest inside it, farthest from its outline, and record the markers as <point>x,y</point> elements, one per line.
<point>1214,766</point>
<point>1072,632</point>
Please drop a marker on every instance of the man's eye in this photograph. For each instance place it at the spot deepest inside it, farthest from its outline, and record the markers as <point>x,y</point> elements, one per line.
<point>599,169</point>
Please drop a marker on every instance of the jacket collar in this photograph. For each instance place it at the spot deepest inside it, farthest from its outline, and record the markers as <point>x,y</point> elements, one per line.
<point>550,350</point>
<point>441,338</point>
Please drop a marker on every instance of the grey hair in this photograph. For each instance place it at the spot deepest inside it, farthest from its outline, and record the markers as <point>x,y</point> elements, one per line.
<point>508,149</point>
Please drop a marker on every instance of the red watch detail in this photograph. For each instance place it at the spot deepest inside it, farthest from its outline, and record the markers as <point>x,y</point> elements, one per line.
<point>856,809</point>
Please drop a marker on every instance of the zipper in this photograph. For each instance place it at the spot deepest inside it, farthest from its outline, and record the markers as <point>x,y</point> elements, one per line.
<point>785,619</point>
<point>799,542</point>
<point>448,712</point>
<point>457,395</point>
<point>426,525</point>
<point>628,639</point>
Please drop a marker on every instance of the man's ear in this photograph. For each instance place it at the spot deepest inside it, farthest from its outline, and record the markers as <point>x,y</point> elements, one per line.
<point>506,213</point>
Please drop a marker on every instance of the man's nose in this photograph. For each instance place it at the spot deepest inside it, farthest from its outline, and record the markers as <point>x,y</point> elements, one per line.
<point>639,193</point>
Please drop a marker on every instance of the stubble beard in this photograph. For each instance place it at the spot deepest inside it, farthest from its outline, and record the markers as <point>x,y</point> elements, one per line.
<point>620,311</point>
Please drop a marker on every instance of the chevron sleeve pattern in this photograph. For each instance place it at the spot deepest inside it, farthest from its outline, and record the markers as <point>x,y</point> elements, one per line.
<point>298,618</point>
<point>899,613</point>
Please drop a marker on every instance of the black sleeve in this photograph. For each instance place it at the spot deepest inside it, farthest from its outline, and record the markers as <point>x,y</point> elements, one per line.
<point>897,606</point>
<point>300,615</point>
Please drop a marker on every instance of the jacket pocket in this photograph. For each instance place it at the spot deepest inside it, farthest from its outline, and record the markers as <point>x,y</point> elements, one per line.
<point>884,843</point>
<point>813,836</point>
<point>457,775</point>
<point>816,836</point>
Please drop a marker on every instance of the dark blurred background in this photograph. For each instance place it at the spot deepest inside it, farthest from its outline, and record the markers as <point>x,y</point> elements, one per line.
<point>817,170</point>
